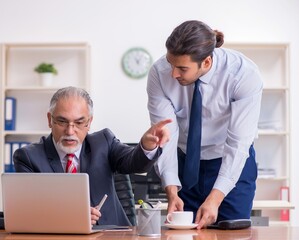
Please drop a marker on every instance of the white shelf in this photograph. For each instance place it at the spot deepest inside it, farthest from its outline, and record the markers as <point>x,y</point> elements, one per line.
<point>19,80</point>
<point>270,132</point>
<point>278,223</point>
<point>257,205</point>
<point>282,178</point>
<point>20,133</point>
<point>272,204</point>
<point>275,89</point>
<point>31,88</point>
<point>70,59</point>
<point>273,143</point>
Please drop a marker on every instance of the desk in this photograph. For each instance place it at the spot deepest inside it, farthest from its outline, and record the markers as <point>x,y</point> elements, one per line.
<point>253,233</point>
<point>258,206</point>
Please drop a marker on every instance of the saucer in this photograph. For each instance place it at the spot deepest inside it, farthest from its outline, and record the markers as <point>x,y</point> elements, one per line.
<point>177,226</point>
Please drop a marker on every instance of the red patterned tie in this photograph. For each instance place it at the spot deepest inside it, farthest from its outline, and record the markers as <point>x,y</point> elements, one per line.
<point>70,166</point>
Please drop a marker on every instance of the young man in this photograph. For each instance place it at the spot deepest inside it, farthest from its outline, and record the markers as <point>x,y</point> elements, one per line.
<point>227,88</point>
<point>99,155</point>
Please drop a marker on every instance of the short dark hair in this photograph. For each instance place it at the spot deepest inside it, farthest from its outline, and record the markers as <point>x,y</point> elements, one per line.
<point>194,38</point>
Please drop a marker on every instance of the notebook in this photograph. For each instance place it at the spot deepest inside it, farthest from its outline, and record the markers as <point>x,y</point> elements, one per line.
<point>47,203</point>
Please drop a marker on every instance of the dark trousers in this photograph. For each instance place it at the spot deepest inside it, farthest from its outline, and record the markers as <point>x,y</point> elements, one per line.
<point>237,204</point>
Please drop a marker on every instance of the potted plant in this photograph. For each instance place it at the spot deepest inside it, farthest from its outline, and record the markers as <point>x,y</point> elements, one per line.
<point>46,71</point>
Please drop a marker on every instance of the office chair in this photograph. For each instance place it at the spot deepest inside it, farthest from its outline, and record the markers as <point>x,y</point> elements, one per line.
<point>125,194</point>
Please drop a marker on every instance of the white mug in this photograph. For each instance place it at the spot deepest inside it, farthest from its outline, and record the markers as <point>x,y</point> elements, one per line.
<point>180,218</point>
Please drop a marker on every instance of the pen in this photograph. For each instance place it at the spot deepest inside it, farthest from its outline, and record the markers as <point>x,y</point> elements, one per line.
<point>99,206</point>
<point>145,204</point>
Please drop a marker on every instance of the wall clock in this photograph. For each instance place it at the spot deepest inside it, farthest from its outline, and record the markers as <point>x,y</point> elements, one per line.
<point>136,62</point>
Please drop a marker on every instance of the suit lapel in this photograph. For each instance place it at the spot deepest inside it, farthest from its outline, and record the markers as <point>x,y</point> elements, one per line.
<point>84,157</point>
<point>52,155</point>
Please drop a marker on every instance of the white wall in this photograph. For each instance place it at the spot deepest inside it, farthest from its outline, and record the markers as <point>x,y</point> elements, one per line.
<point>113,26</point>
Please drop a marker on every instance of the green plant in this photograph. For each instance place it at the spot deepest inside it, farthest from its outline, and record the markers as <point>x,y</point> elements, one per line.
<point>45,68</point>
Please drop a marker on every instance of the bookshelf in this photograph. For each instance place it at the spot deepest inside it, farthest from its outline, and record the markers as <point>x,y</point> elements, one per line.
<point>273,143</point>
<point>21,82</point>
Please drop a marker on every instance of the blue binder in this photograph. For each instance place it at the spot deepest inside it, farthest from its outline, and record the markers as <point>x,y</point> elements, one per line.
<point>10,113</point>
<point>10,148</point>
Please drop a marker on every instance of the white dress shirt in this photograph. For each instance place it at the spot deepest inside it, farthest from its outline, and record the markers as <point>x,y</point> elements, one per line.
<point>63,157</point>
<point>231,98</point>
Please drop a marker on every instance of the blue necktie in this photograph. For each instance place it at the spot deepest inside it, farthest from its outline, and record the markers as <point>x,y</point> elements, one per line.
<point>191,168</point>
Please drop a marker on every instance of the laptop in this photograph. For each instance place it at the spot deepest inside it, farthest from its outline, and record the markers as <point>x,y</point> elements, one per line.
<point>47,203</point>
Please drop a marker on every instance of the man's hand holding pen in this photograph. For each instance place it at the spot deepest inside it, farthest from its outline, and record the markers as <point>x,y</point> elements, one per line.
<point>95,215</point>
<point>95,211</point>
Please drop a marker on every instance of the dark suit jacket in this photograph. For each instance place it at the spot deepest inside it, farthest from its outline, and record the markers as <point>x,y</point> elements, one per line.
<point>101,155</point>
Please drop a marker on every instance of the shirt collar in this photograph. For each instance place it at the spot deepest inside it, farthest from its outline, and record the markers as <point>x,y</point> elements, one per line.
<point>208,76</point>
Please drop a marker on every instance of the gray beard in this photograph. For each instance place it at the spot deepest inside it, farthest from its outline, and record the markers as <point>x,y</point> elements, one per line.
<point>68,150</point>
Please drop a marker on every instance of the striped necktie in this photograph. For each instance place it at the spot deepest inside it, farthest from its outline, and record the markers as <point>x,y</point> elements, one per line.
<point>70,166</point>
<point>192,162</point>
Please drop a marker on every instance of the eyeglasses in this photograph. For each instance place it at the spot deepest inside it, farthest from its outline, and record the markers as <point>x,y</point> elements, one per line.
<point>79,124</point>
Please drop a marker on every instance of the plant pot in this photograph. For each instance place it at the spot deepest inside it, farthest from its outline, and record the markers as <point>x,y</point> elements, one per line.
<point>46,79</point>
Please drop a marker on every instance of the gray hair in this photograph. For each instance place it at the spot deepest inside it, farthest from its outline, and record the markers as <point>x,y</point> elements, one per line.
<point>70,92</point>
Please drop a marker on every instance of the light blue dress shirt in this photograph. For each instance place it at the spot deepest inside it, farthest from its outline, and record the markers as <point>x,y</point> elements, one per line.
<point>231,98</point>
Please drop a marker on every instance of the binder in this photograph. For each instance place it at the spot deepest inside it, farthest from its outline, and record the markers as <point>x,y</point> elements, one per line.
<point>10,113</point>
<point>10,148</point>
<point>15,146</point>
<point>7,152</point>
<point>284,195</point>
<point>8,158</point>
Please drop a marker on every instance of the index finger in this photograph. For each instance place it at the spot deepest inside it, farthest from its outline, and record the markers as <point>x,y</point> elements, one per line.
<point>162,123</point>
<point>201,223</point>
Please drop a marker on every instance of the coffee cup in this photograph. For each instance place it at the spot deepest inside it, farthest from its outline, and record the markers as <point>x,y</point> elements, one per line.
<point>180,218</point>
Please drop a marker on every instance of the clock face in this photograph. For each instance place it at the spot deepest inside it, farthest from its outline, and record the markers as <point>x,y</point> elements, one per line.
<point>136,62</point>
